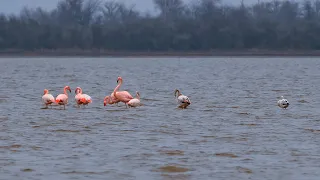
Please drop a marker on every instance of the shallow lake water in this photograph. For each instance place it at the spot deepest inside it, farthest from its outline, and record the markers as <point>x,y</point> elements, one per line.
<point>232,130</point>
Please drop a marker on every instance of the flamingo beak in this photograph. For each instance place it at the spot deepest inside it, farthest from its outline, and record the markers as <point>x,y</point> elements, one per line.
<point>70,90</point>
<point>104,103</point>
<point>117,81</point>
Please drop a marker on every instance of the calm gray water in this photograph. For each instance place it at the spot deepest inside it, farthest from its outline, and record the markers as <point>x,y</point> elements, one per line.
<point>232,130</point>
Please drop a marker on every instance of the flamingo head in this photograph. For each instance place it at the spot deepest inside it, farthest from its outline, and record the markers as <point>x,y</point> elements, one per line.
<point>138,94</point>
<point>106,99</point>
<point>67,88</point>
<point>45,91</point>
<point>119,79</point>
<point>77,90</point>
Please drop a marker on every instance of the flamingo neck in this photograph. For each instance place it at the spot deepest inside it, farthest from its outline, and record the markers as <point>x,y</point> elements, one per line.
<point>175,93</point>
<point>138,95</point>
<point>117,88</point>
<point>65,91</point>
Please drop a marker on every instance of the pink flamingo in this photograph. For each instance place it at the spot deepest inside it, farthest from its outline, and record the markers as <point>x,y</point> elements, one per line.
<point>62,99</point>
<point>123,96</point>
<point>47,98</point>
<point>80,98</point>
<point>110,100</point>
<point>135,101</point>
<point>183,100</point>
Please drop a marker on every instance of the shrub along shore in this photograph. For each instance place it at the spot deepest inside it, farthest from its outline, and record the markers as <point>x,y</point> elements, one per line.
<point>201,28</point>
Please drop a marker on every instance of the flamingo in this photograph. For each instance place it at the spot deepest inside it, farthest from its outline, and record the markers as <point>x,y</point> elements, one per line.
<point>283,103</point>
<point>62,99</point>
<point>123,96</point>
<point>135,101</point>
<point>80,98</point>
<point>183,100</point>
<point>47,98</point>
<point>110,99</point>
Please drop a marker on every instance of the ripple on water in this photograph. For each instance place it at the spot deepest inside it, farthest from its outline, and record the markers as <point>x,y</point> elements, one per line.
<point>172,169</point>
<point>27,170</point>
<point>244,170</point>
<point>86,172</point>
<point>66,130</point>
<point>226,155</point>
<point>15,146</point>
<point>172,152</point>
<point>244,124</point>
<point>176,176</point>
<point>244,113</point>
<point>313,130</point>
<point>3,118</point>
<point>223,107</point>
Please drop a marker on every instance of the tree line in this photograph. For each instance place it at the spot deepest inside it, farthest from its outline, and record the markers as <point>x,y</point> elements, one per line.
<point>199,26</point>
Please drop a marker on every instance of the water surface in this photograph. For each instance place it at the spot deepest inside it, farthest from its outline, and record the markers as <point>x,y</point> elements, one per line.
<point>232,130</point>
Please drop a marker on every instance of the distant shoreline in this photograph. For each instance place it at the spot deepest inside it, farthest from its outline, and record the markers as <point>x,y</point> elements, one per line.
<point>105,53</point>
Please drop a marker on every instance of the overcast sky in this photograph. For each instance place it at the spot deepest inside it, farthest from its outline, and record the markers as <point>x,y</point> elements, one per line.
<point>14,6</point>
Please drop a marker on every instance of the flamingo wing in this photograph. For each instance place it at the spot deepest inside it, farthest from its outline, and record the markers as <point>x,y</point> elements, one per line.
<point>127,94</point>
<point>48,99</point>
<point>62,99</point>
<point>124,96</point>
<point>87,98</point>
